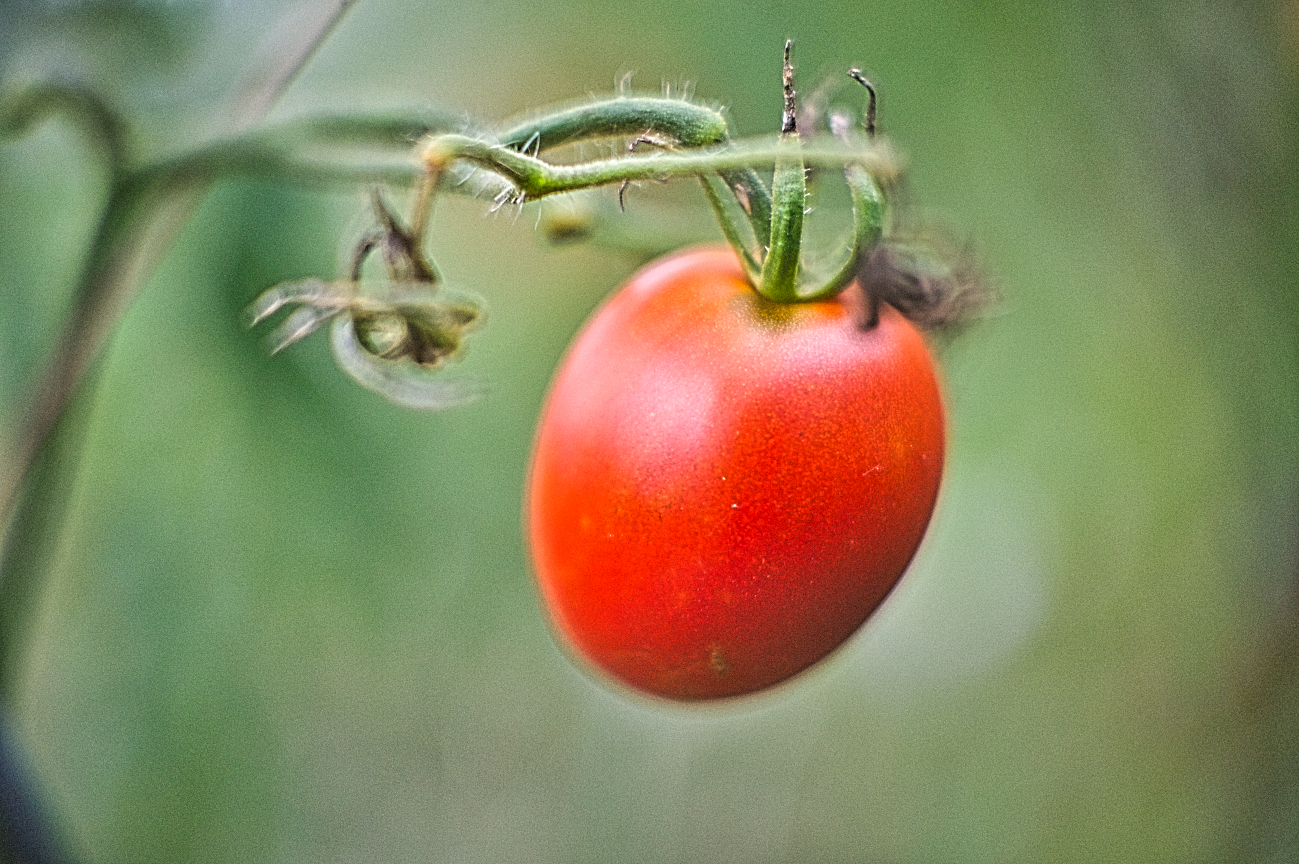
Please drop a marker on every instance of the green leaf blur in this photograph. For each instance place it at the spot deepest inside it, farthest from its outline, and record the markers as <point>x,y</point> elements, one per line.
<point>287,621</point>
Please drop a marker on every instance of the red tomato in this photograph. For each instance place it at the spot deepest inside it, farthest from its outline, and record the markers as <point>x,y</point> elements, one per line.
<point>722,488</point>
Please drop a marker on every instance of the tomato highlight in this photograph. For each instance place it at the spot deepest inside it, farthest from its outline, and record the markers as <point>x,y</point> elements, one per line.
<point>723,488</point>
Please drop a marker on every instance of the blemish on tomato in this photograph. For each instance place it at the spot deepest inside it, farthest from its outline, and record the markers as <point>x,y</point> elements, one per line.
<point>717,660</point>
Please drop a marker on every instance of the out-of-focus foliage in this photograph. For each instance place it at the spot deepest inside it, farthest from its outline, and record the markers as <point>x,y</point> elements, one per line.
<point>290,622</point>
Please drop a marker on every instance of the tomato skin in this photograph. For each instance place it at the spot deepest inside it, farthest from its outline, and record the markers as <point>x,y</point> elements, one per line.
<point>723,489</point>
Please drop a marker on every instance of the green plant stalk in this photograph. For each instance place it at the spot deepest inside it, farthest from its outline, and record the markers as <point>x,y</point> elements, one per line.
<point>520,176</point>
<point>137,224</point>
<point>397,130</point>
<point>684,123</point>
<point>665,122</point>
<point>520,173</point>
<point>774,275</point>
<point>331,141</point>
<point>24,110</point>
<point>34,532</point>
<point>532,178</point>
<point>116,244</point>
<point>276,154</point>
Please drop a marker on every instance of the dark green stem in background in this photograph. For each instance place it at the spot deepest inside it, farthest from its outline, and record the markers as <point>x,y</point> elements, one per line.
<point>141,217</point>
<point>82,106</point>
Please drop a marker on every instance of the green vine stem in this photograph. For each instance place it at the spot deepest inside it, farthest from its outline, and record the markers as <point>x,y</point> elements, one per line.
<point>750,261</point>
<point>531,178</point>
<point>663,122</point>
<point>668,121</point>
<point>303,153</point>
<point>868,207</point>
<point>31,106</point>
<point>773,263</point>
<point>778,280</point>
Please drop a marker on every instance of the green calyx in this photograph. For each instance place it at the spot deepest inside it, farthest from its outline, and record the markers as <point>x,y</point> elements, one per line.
<point>780,277</point>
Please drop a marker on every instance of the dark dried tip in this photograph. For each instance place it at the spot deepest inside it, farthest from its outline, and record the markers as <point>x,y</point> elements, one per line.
<point>400,249</point>
<point>364,247</point>
<point>789,120</point>
<point>855,74</point>
<point>936,289</point>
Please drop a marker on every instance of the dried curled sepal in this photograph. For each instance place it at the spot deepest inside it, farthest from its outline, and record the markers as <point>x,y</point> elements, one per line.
<point>299,324</point>
<point>309,291</point>
<point>401,382</point>
<point>390,339</point>
<point>428,330</point>
<point>930,280</point>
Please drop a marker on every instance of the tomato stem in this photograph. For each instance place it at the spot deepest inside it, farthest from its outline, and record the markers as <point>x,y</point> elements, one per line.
<point>534,178</point>
<point>668,123</point>
<point>693,139</point>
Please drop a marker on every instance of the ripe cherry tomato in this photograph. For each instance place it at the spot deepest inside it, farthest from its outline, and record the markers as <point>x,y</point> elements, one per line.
<point>722,488</point>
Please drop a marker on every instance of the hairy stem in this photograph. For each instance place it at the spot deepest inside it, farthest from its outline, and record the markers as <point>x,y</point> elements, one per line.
<point>684,123</point>
<point>533,178</point>
<point>778,280</point>
<point>668,122</point>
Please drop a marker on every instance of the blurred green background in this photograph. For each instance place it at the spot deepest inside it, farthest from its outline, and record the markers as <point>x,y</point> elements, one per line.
<point>289,622</point>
